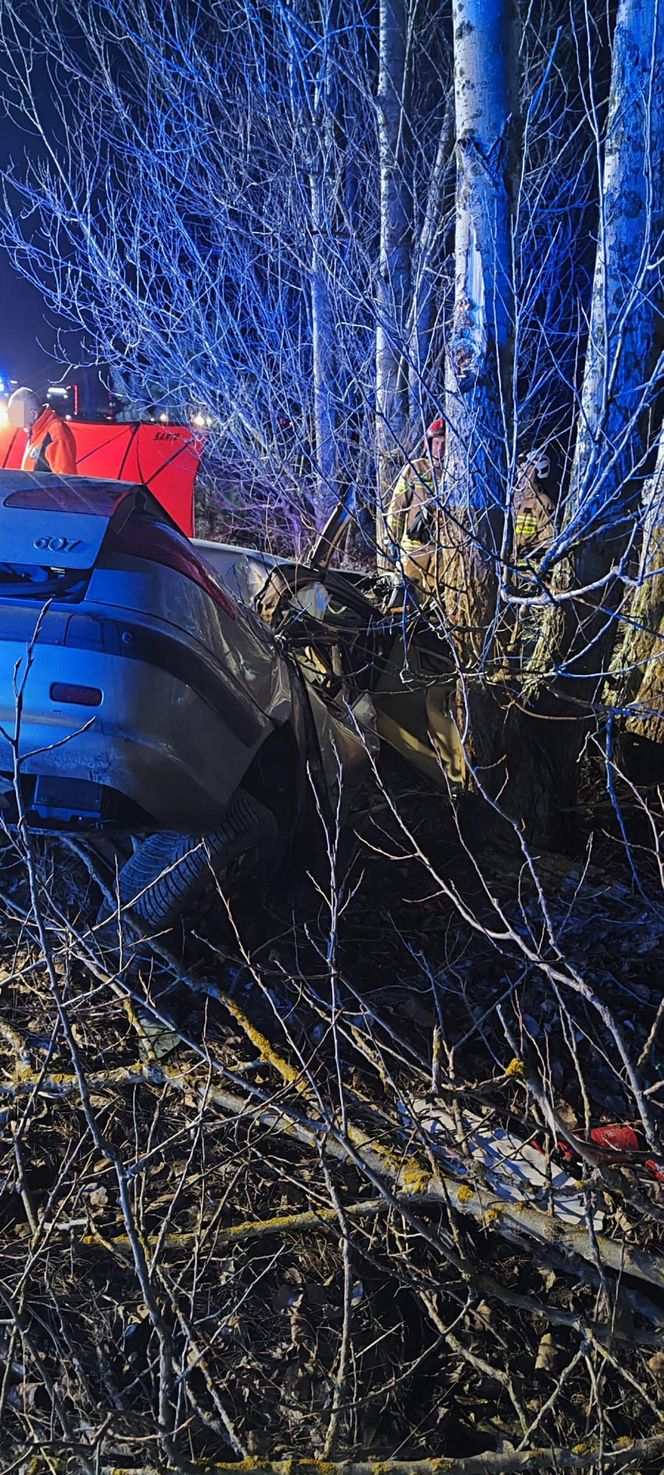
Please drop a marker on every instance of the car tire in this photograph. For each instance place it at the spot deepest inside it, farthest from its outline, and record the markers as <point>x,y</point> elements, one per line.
<point>168,872</point>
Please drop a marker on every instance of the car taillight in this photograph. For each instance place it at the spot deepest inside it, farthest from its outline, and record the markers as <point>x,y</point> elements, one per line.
<point>80,696</point>
<point>158,543</point>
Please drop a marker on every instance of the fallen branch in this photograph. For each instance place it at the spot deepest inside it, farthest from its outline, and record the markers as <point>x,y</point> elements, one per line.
<point>395,1181</point>
<point>404,1174</point>
<point>579,1457</point>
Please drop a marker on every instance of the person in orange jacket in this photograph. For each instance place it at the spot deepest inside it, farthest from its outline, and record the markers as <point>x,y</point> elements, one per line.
<point>51,445</point>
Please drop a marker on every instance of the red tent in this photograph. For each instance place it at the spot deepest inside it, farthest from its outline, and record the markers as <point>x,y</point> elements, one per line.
<point>164,458</point>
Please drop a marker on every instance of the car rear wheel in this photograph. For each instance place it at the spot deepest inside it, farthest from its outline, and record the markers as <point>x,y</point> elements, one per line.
<point>169,872</point>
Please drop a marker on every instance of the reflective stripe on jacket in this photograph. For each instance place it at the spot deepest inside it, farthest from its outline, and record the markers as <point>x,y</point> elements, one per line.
<point>533,514</point>
<point>413,497</point>
<point>417,528</point>
<point>525,527</point>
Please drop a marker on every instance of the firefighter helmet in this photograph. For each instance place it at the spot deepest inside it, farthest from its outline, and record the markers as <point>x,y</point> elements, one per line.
<point>541,464</point>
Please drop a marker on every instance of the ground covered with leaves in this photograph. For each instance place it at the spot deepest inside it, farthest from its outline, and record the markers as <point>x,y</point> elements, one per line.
<point>323,1177</point>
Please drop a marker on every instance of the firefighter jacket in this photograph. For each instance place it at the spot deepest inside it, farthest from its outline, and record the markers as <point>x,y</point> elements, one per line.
<point>533,519</point>
<point>51,446</point>
<point>412,522</point>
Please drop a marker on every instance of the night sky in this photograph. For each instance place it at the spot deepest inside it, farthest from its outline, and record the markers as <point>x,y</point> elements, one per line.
<point>28,332</point>
<point>27,339</point>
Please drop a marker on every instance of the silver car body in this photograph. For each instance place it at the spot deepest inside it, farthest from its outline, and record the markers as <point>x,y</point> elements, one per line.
<point>183,685</point>
<point>243,571</point>
<point>140,687</point>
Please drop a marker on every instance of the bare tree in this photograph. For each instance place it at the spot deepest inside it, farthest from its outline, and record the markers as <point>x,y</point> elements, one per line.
<point>635,685</point>
<point>618,421</point>
<point>479,399</point>
<point>615,431</point>
<point>393,280</point>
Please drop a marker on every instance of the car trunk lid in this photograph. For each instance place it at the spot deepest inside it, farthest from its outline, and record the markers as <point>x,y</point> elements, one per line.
<point>56,525</point>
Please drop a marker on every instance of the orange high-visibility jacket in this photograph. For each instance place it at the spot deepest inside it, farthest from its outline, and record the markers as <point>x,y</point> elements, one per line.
<point>51,446</point>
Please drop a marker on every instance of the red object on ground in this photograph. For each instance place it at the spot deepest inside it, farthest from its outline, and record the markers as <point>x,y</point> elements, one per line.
<point>164,458</point>
<point>619,1142</point>
<point>616,1138</point>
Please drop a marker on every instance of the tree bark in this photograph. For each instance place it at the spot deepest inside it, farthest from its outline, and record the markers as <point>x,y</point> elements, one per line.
<point>627,326</point>
<point>478,401</point>
<point>393,282</point>
<point>614,439</point>
<point>323,354</point>
<point>636,685</point>
<point>426,254</point>
<point>323,337</point>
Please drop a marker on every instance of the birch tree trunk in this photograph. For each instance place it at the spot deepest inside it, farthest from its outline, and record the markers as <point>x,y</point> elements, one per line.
<point>393,283</point>
<point>478,401</point>
<point>423,285</point>
<point>614,448</point>
<point>324,345</point>
<point>637,667</point>
<point>627,326</point>
<point>323,355</point>
<point>311,95</point>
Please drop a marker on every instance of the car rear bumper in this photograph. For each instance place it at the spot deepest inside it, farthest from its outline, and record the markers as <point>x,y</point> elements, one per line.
<point>170,734</point>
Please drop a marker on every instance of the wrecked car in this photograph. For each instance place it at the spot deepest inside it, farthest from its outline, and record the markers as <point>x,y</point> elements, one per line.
<point>166,689</point>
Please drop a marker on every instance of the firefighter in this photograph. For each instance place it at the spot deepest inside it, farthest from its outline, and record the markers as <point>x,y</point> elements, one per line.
<point>533,512</point>
<point>50,445</point>
<point>415,521</point>
<point>411,517</point>
<point>533,520</point>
